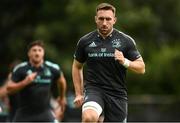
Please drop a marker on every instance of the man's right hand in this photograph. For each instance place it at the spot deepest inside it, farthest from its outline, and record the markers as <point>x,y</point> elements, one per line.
<point>78,101</point>
<point>13,87</point>
<point>29,78</point>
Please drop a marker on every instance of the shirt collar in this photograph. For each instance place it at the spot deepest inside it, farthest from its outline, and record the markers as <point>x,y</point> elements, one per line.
<point>109,35</point>
<point>41,66</point>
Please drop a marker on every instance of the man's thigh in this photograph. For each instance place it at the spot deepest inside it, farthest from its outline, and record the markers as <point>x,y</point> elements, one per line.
<point>93,100</point>
<point>115,110</point>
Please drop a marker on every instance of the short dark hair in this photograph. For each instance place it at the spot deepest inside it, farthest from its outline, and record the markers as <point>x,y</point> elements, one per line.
<point>36,43</point>
<point>106,6</point>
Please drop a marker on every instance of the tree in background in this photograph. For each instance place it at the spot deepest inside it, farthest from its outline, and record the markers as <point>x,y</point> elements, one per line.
<point>60,23</point>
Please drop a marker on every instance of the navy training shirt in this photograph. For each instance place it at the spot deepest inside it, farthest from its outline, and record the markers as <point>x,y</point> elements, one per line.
<point>36,96</point>
<point>102,71</point>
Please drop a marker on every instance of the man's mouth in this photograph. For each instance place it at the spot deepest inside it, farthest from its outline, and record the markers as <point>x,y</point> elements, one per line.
<point>104,28</point>
<point>36,56</point>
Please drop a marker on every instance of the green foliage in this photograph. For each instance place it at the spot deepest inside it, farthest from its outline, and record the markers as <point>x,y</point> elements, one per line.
<point>154,24</point>
<point>162,73</point>
<point>140,22</point>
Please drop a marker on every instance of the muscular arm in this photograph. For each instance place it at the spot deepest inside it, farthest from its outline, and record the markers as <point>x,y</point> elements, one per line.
<point>62,86</point>
<point>137,65</point>
<point>77,75</point>
<point>13,87</point>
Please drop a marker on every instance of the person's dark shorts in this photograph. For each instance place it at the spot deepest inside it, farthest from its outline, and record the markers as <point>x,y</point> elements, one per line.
<point>31,116</point>
<point>113,109</point>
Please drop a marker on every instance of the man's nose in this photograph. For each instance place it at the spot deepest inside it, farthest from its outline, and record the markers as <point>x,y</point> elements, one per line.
<point>104,22</point>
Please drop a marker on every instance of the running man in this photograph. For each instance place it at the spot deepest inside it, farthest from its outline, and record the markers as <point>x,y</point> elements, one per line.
<point>32,81</point>
<point>108,53</point>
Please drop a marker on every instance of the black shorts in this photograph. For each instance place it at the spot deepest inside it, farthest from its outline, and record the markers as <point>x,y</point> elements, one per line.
<point>45,115</point>
<point>113,109</point>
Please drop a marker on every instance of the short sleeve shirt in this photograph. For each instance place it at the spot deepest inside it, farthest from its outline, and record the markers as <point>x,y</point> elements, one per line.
<point>102,70</point>
<point>37,94</point>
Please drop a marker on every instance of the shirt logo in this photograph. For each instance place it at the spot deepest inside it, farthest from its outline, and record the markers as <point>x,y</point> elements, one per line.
<point>116,43</point>
<point>86,97</point>
<point>29,72</point>
<point>47,72</point>
<point>103,49</point>
<point>92,44</point>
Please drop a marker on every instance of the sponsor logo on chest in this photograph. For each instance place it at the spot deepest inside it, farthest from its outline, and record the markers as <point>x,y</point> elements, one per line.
<point>39,79</point>
<point>105,51</point>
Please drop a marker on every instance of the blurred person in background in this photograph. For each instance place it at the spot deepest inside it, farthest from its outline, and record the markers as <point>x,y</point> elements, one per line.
<point>32,81</point>
<point>3,101</point>
<point>55,98</point>
<point>11,100</point>
<point>108,54</point>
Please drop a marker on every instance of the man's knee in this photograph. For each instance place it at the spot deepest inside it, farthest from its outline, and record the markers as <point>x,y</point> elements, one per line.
<point>90,116</point>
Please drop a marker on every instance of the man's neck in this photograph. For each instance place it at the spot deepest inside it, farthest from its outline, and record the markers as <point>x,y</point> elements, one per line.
<point>105,36</point>
<point>37,65</point>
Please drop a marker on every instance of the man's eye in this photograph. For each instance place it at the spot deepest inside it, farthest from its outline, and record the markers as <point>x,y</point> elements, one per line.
<point>108,19</point>
<point>101,19</point>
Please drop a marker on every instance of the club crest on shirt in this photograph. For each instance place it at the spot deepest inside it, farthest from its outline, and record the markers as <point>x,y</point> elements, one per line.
<point>116,43</point>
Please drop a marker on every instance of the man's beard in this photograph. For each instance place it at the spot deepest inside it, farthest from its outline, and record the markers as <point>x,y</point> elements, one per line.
<point>104,31</point>
<point>36,61</point>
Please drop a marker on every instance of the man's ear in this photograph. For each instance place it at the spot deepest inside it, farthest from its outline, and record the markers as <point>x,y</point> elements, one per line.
<point>95,18</point>
<point>115,19</point>
<point>28,53</point>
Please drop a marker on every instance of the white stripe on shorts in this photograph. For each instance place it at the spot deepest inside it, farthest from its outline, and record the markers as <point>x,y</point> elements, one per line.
<point>92,105</point>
